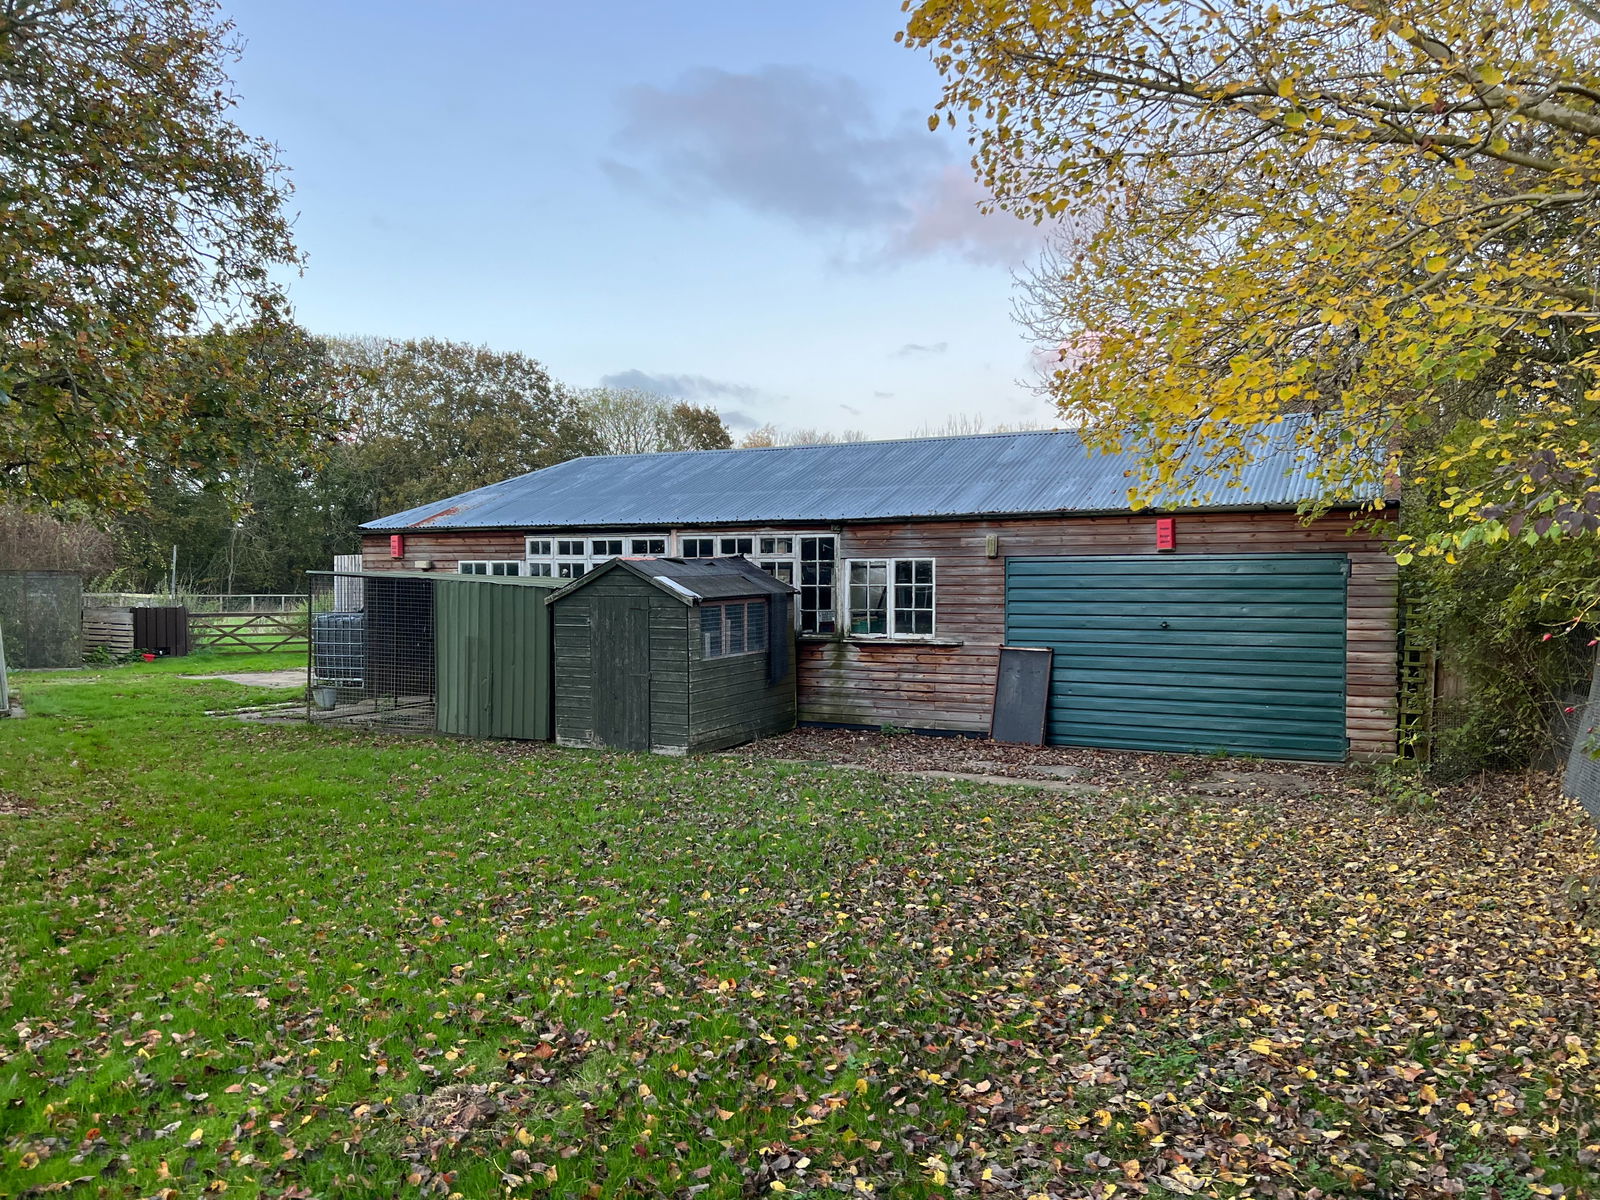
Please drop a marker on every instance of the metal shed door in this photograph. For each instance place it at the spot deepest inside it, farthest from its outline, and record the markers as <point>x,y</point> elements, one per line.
<point>1243,653</point>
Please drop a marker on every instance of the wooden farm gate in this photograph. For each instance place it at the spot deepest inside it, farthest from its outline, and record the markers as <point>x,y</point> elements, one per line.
<point>247,632</point>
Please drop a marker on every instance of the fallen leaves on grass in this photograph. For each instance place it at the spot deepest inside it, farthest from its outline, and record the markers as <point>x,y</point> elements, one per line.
<point>610,976</point>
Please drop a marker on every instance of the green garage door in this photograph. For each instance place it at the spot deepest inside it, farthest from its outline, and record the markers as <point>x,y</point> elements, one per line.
<point>1190,654</point>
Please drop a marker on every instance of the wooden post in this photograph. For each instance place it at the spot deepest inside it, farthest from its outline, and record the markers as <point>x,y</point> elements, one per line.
<point>5,687</point>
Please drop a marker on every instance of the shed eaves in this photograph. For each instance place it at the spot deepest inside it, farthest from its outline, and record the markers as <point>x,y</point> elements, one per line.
<point>983,475</point>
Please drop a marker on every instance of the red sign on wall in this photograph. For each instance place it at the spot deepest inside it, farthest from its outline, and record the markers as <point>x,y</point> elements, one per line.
<point>1165,538</point>
<point>397,545</point>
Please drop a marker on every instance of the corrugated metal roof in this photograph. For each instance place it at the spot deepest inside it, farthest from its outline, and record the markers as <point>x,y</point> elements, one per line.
<point>984,475</point>
<point>692,579</point>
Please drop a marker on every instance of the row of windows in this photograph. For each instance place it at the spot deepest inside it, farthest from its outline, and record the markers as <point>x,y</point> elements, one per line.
<point>884,597</point>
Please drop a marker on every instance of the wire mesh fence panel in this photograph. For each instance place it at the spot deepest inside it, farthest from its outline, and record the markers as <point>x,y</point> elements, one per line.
<point>372,651</point>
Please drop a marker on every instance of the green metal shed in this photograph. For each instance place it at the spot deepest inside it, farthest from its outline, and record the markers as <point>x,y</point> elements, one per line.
<point>679,656</point>
<point>493,655</point>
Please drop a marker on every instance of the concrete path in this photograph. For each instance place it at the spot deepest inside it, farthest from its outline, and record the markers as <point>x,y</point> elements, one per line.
<point>294,677</point>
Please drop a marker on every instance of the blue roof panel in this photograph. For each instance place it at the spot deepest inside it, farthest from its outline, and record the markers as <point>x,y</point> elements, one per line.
<point>983,475</point>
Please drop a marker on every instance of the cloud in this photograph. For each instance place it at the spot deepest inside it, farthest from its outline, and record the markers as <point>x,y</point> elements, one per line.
<point>787,141</point>
<point>913,348</point>
<point>946,217</point>
<point>683,387</point>
<point>808,147</point>
<point>883,395</point>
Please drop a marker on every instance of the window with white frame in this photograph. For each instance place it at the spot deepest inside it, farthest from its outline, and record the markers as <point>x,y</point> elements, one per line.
<point>488,566</point>
<point>890,597</point>
<point>806,561</point>
<point>573,557</point>
<point>815,557</point>
<point>732,627</point>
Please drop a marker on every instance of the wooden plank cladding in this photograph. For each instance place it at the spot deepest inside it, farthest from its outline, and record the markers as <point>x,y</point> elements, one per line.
<point>947,683</point>
<point>950,687</point>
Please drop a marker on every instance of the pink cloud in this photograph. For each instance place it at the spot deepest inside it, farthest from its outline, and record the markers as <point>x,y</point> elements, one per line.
<point>947,218</point>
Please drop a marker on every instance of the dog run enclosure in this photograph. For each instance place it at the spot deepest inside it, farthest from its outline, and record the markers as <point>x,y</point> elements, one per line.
<point>420,653</point>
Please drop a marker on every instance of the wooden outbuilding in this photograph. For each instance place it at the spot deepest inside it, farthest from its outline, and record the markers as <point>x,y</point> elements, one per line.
<point>672,655</point>
<point>1219,618</point>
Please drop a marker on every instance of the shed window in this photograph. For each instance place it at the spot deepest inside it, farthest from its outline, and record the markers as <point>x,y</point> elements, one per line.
<point>489,567</point>
<point>891,597</point>
<point>733,627</point>
<point>647,546</point>
<point>697,547</point>
<point>737,545</point>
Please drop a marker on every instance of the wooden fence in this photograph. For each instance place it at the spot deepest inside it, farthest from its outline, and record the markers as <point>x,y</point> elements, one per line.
<point>247,632</point>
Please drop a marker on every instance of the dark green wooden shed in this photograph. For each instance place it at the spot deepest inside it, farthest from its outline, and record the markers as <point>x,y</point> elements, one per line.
<point>673,655</point>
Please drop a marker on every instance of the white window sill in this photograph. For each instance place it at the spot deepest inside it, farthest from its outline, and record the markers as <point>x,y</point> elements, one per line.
<point>879,639</point>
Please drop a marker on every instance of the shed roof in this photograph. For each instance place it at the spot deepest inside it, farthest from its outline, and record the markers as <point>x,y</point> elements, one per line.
<point>384,575</point>
<point>983,475</point>
<point>691,579</point>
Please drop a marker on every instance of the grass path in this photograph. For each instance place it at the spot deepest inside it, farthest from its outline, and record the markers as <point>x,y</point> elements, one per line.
<point>299,962</point>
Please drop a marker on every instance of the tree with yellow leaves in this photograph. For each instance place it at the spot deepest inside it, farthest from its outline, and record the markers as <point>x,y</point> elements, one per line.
<point>1382,213</point>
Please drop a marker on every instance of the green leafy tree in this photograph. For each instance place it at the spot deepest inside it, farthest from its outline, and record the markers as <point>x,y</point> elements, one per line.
<point>634,421</point>
<point>260,524</point>
<point>695,427</point>
<point>1382,213</point>
<point>432,418</point>
<point>134,214</point>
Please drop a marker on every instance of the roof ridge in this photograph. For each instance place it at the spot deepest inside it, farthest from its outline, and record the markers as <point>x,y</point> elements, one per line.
<point>834,445</point>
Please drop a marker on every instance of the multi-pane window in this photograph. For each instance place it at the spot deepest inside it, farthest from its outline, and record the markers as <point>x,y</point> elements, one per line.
<point>781,569</point>
<point>808,562</point>
<point>733,627</point>
<point>816,562</point>
<point>868,596</point>
<point>573,557</point>
<point>877,609</point>
<point>489,567</point>
<point>913,596</point>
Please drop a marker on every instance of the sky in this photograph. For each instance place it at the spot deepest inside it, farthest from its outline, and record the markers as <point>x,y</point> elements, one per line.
<point>736,203</point>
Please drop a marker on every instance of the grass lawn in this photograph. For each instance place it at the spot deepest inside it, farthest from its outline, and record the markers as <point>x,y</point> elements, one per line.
<point>294,961</point>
